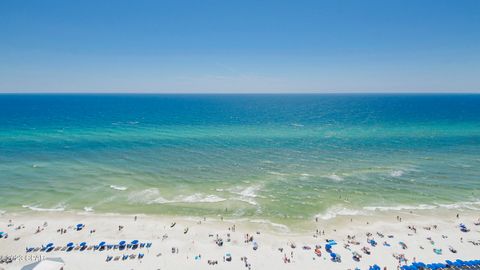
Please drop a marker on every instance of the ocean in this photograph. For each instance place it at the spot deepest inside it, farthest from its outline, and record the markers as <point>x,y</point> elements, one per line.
<point>283,158</point>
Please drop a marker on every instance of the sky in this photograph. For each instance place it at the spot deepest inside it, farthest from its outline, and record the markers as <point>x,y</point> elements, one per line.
<point>240,46</point>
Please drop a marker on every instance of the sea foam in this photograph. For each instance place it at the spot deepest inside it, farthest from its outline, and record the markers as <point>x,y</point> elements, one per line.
<point>336,211</point>
<point>121,188</point>
<point>195,198</point>
<point>37,208</point>
<point>335,177</point>
<point>247,194</point>
<point>396,173</point>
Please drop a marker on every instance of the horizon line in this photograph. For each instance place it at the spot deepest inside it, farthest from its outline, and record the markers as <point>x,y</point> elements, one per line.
<point>233,93</point>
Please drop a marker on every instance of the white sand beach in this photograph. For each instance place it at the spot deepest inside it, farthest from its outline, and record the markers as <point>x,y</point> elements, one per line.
<point>201,248</point>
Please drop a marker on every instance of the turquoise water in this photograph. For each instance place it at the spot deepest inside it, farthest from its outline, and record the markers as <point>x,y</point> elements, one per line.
<point>276,157</point>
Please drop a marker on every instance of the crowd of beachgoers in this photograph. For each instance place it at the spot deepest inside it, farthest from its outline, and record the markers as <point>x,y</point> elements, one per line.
<point>410,241</point>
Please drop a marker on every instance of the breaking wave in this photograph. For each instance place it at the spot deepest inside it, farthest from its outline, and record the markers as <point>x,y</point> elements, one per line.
<point>37,208</point>
<point>121,188</point>
<point>247,194</point>
<point>334,177</point>
<point>396,173</point>
<point>333,212</point>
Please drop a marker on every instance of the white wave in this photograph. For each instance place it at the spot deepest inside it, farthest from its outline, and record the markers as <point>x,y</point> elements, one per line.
<point>247,200</point>
<point>268,222</point>
<point>400,207</point>
<point>335,177</point>
<point>335,211</point>
<point>202,198</point>
<point>297,125</point>
<point>462,205</point>
<point>250,192</point>
<point>144,196</point>
<point>121,188</point>
<point>160,200</point>
<point>195,198</point>
<point>37,208</point>
<point>304,176</point>
<point>88,209</point>
<point>396,173</point>
<point>247,194</point>
<point>277,173</point>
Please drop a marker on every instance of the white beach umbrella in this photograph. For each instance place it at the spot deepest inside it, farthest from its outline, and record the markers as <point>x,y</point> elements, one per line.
<point>46,264</point>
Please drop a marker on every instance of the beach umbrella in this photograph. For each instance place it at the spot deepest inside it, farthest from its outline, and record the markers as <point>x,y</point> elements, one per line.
<point>49,245</point>
<point>48,263</point>
<point>122,243</point>
<point>102,244</point>
<point>83,244</point>
<point>135,242</point>
<point>70,244</point>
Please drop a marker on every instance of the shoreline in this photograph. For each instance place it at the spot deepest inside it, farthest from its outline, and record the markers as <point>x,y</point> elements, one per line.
<point>201,235</point>
<point>334,212</point>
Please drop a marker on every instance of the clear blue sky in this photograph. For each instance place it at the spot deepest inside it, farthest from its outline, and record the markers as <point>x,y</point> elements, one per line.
<point>239,46</point>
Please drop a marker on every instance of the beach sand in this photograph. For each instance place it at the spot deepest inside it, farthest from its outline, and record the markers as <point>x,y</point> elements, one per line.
<point>202,233</point>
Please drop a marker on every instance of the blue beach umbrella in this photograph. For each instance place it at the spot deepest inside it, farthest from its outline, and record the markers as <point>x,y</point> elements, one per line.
<point>83,244</point>
<point>122,243</point>
<point>70,244</point>
<point>135,242</point>
<point>102,244</point>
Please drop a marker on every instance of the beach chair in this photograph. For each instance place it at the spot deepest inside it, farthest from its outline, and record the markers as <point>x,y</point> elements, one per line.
<point>335,257</point>
<point>79,227</point>
<point>134,244</point>
<point>109,258</point>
